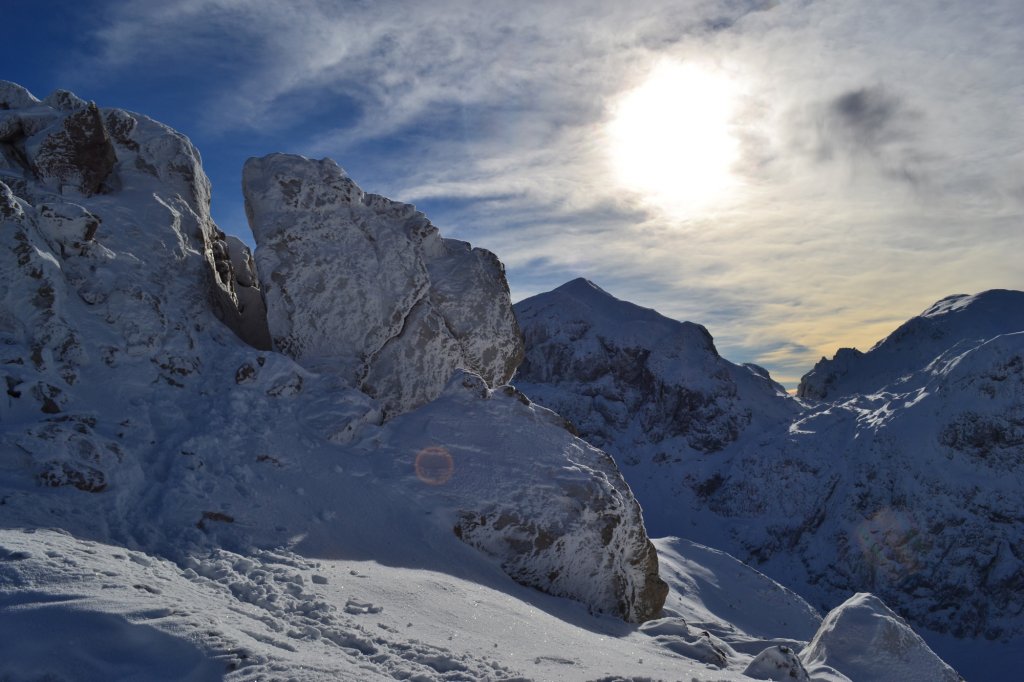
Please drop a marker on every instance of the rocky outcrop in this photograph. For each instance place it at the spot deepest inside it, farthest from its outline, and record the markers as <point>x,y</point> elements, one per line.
<point>366,288</point>
<point>893,651</point>
<point>134,410</point>
<point>564,521</point>
<point>57,153</point>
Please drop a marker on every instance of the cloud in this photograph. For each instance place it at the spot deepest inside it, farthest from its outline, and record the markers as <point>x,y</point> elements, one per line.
<point>871,123</point>
<point>867,115</point>
<point>880,143</point>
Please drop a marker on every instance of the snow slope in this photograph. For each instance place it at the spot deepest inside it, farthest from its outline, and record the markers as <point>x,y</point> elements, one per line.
<point>181,500</point>
<point>910,490</point>
<point>85,610</point>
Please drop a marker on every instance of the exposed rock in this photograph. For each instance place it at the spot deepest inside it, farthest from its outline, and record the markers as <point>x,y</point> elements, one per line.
<point>78,153</point>
<point>777,663</point>
<point>367,288</point>
<point>894,652</point>
<point>574,531</point>
<point>238,299</point>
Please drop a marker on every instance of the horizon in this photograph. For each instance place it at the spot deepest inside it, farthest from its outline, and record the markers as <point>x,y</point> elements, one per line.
<point>795,177</point>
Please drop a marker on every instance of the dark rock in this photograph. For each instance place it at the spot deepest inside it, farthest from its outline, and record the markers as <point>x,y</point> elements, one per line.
<point>80,153</point>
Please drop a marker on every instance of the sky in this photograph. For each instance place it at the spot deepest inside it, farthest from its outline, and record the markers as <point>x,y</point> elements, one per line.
<point>797,176</point>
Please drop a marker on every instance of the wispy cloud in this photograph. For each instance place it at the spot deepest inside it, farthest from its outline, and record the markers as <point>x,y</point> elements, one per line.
<point>881,144</point>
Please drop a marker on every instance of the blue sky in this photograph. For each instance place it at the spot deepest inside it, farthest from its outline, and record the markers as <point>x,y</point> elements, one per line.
<point>875,156</point>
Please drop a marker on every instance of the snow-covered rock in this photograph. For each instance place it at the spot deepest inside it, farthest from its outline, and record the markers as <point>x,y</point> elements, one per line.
<point>777,663</point>
<point>367,288</point>
<point>560,519</point>
<point>143,406</point>
<point>864,640</point>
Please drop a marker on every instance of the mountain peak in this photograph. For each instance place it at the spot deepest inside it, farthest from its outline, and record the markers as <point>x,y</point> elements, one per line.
<point>581,285</point>
<point>951,321</point>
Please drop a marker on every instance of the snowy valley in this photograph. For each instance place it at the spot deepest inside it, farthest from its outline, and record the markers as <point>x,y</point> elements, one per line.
<point>348,456</point>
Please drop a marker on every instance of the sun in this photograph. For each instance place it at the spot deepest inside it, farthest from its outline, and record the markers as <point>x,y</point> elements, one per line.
<point>671,139</point>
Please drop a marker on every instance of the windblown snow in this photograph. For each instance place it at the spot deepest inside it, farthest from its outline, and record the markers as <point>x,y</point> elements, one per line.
<point>305,463</point>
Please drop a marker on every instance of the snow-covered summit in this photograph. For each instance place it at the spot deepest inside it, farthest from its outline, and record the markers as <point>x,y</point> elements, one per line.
<point>615,368</point>
<point>950,326</point>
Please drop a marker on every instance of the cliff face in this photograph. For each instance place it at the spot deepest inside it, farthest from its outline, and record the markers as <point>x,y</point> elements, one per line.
<point>902,478</point>
<point>144,404</point>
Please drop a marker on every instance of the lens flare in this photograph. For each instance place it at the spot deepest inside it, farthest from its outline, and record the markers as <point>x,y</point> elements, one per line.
<point>891,543</point>
<point>434,465</point>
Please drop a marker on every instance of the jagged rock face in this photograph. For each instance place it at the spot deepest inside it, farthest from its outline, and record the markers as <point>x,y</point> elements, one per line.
<point>366,287</point>
<point>895,652</point>
<point>618,371</point>
<point>56,154</point>
<point>107,259</point>
<point>910,490</point>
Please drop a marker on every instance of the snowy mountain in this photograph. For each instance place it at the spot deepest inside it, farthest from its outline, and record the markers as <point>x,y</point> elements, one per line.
<point>304,464</point>
<point>904,480</point>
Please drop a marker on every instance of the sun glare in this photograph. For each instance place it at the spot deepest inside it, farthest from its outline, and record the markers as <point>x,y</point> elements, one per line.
<point>671,139</point>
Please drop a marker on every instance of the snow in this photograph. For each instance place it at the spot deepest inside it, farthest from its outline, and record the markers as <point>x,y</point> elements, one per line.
<point>122,614</point>
<point>179,502</point>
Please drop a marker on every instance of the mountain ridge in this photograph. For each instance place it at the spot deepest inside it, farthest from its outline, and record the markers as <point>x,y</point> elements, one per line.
<point>836,494</point>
